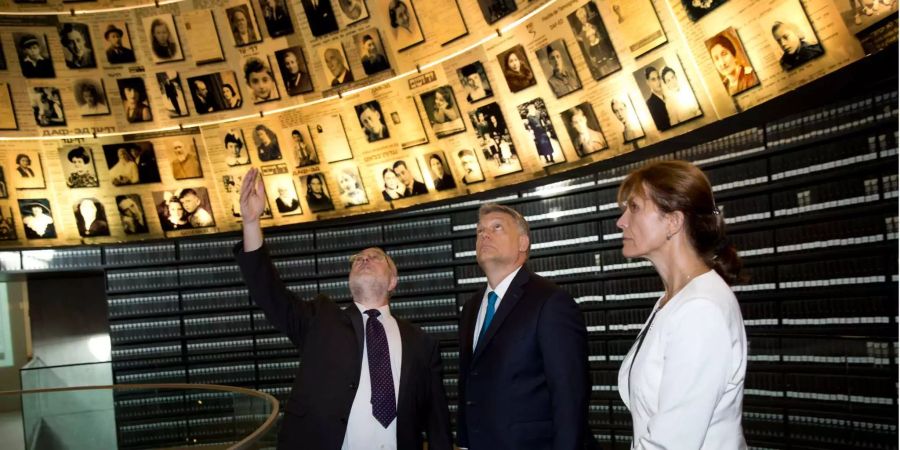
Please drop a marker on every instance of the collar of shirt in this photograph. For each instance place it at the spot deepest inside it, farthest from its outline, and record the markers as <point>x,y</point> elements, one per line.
<point>500,290</point>
<point>385,311</point>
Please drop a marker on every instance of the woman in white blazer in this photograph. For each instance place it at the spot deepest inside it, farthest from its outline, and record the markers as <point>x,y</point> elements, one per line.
<point>683,379</point>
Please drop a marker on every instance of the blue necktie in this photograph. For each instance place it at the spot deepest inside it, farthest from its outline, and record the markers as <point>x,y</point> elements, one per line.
<point>489,314</point>
<point>384,406</point>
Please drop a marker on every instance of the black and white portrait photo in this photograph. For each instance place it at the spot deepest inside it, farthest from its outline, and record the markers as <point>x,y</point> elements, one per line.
<point>594,41</point>
<point>266,142</point>
<point>405,30</point>
<point>90,218</point>
<point>439,169</point>
<point>46,103</point>
<point>232,185</point>
<point>34,56</point>
<point>236,153</point>
<point>353,10</point>
<point>494,10</point>
<point>467,164</point>
<point>319,16</point>
<point>371,120</point>
<point>443,112</point>
<point>318,197</point>
<point>558,68</point>
<point>537,123</point>
<point>277,17</point>
<point>135,101</point>
<point>7,225</point>
<point>163,38</point>
<point>131,163</point>
<point>669,97</point>
<point>182,209</point>
<point>629,125</point>
<point>259,77</point>
<point>37,218</point>
<point>371,52</point>
<point>119,49</point>
<point>407,173</point>
<point>584,129</point>
<point>242,24</point>
<point>294,71</point>
<point>475,81</point>
<point>337,68</point>
<point>699,8</point>
<point>215,92</point>
<point>494,140</point>
<point>302,147</point>
<point>28,171</point>
<point>90,95</point>
<point>183,158</point>
<point>172,93</point>
<point>131,212</point>
<point>78,166</point>
<point>283,194</point>
<point>516,68</point>
<point>352,190</point>
<point>793,35</point>
<point>78,50</point>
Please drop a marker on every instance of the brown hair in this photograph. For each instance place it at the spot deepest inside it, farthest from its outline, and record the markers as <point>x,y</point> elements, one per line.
<point>681,186</point>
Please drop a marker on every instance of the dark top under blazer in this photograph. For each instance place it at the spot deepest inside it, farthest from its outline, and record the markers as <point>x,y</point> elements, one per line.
<point>330,340</point>
<point>526,384</point>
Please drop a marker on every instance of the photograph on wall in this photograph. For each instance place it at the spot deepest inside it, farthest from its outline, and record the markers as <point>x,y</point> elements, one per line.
<point>201,31</point>
<point>302,146</point>
<point>46,103</point>
<point>669,97</point>
<point>172,93</point>
<point>163,37</point>
<point>594,41</point>
<point>468,165</point>
<point>131,163</point>
<point>8,120</point>
<point>277,17</point>
<point>399,179</point>
<point>90,95</point>
<point>353,10</point>
<point>29,170</point>
<point>294,71</point>
<point>558,68</point>
<point>318,198</point>
<point>90,218</point>
<point>696,9</point>
<point>232,185</point>
<point>182,209</point>
<point>629,125</point>
<point>135,101</point>
<point>7,224</point>
<point>371,121</point>
<point>78,50</point>
<point>443,111</point>
<point>859,15</point>
<point>405,30</point>
<point>131,212</point>
<point>37,218</point>
<point>34,55</point>
<point>494,140</point>
<point>119,49</point>
<point>78,166</point>
<point>637,26</point>
<point>281,191</point>
<point>4,189</point>
<point>584,129</point>
<point>792,34</point>
<point>516,69</point>
<point>475,81</point>
<point>329,137</point>
<point>371,51</point>
<point>215,92</point>
<point>337,69</point>
<point>242,24</point>
<point>236,153</point>
<point>537,123</point>
<point>350,185</point>
<point>494,10</point>
<point>731,61</point>
<point>319,16</point>
<point>439,170</point>
<point>406,122</point>
<point>2,58</point>
<point>260,79</point>
<point>183,157</point>
<point>266,142</point>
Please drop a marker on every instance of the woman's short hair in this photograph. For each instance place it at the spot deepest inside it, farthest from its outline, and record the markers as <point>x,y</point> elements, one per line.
<point>78,153</point>
<point>720,39</point>
<point>231,138</point>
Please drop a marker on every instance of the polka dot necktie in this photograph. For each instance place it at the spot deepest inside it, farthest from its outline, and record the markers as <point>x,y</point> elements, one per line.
<point>384,406</point>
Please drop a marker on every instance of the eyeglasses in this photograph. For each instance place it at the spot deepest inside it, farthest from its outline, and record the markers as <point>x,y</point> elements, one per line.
<point>360,257</point>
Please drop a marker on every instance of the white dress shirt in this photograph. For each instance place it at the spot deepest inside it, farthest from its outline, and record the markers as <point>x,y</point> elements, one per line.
<point>687,382</point>
<point>364,432</point>
<point>501,291</point>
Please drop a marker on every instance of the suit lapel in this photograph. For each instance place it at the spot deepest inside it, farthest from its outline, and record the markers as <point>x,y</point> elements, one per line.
<point>356,319</point>
<point>509,301</point>
<point>469,322</point>
<point>406,363</point>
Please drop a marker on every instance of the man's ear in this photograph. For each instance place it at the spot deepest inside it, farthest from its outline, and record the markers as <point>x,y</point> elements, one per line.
<point>524,243</point>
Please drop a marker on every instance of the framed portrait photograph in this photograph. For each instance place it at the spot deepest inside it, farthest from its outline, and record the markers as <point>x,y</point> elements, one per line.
<point>353,11</point>
<point>494,141</point>
<point>302,147</point>
<point>516,69</point>
<point>215,92</point>
<point>281,191</point>
<point>163,38</point>
<point>467,164</point>
<point>131,163</point>
<point>371,51</point>
<point>371,120</point>
<point>183,158</point>
<point>475,81</point>
<point>294,71</point>
<point>318,197</point>
<point>731,61</point>
<point>4,188</point>
<point>352,192</point>
<point>337,69</point>
<point>670,98</point>
<point>593,40</point>
<point>405,30</point>
<point>792,34</point>
<point>328,134</point>
<point>90,95</point>
<point>232,184</point>
<point>181,209</point>
<point>399,179</point>
<point>2,57</point>
<point>28,171</point>
<point>131,212</point>
<point>277,17</point>
<point>558,68</point>
<point>537,122</point>
<point>7,224</point>
<point>266,142</point>
<point>90,218</point>
<point>584,129</point>
<point>78,50</point>
<point>438,168</point>
<point>200,30</point>
<point>172,93</point>
<point>236,153</point>
<point>37,217</point>
<point>319,16</point>
<point>260,79</point>
<point>406,122</point>
<point>494,10</point>
<point>135,101</point>
<point>630,126</point>
<point>696,9</point>
<point>34,55</point>
<point>8,120</point>
<point>46,103</point>
<point>119,49</point>
<point>242,24</point>
<point>442,111</point>
<point>78,166</point>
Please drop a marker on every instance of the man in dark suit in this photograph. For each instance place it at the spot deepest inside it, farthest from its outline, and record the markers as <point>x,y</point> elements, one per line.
<point>368,380</point>
<point>320,16</point>
<point>523,372</point>
<point>116,52</point>
<point>34,62</point>
<point>656,103</point>
<point>412,186</point>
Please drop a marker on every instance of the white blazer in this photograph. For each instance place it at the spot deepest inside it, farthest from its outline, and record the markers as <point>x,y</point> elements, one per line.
<point>687,382</point>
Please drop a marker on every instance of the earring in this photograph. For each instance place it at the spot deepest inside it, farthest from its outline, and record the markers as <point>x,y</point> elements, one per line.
<point>668,237</point>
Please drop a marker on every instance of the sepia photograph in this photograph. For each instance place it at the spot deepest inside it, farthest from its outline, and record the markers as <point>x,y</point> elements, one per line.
<point>182,209</point>
<point>200,30</point>
<point>259,77</point>
<point>281,191</point>
<point>163,38</point>
<point>669,97</point>
<point>792,34</point>
<point>558,68</point>
<point>371,52</point>
<point>405,30</point>
<point>78,50</point>
<point>266,142</point>
<point>494,10</point>
<point>399,179</point>
<point>78,166</point>
<point>277,17</point>
<point>406,122</point>
<point>593,40</point>
<point>34,55</point>
<point>731,61</point>
<point>696,9</point>
<point>183,157</point>
<point>318,197</point>
<point>494,140</point>
<point>232,185</point>
<point>90,218</point>
<point>134,100</point>
<point>475,81</point>
<point>319,16</point>
<point>90,95</point>
<point>131,211</point>
<point>7,224</point>
<point>131,163</point>
<point>537,123</point>
<point>468,165</point>
<point>371,120</point>
<point>442,111</point>
<point>335,61</point>
<point>8,120</point>
<point>328,134</point>
<point>119,49</point>
<point>353,10</point>
<point>47,106</point>
<point>352,192</point>
<point>294,71</point>
<point>242,24</point>
<point>516,69</point>
<point>236,153</point>
<point>628,121</point>
<point>37,218</point>
<point>584,129</point>
<point>28,172</point>
<point>215,92</point>
<point>439,170</point>
<point>172,93</point>
<point>303,150</point>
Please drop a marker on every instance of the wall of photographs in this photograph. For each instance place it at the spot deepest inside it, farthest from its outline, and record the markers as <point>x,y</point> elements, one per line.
<point>138,124</point>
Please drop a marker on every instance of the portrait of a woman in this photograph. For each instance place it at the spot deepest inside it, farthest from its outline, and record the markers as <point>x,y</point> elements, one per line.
<point>90,217</point>
<point>516,69</point>
<point>731,62</point>
<point>162,41</point>
<point>134,100</point>
<point>317,193</point>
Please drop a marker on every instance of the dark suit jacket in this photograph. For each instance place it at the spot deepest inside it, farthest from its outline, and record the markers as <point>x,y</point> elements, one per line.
<point>418,188</point>
<point>526,385</point>
<point>659,112</point>
<point>330,340</point>
<point>321,19</point>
